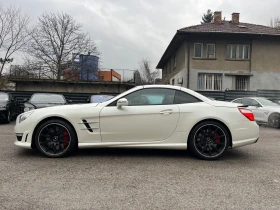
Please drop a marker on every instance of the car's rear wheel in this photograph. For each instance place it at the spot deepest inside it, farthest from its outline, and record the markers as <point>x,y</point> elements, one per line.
<point>55,138</point>
<point>274,120</point>
<point>209,140</point>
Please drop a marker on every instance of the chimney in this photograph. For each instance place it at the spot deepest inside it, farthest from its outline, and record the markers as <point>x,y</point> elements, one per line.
<point>218,17</point>
<point>235,18</point>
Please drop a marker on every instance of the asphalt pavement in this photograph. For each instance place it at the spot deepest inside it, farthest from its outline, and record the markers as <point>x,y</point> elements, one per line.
<point>245,178</point>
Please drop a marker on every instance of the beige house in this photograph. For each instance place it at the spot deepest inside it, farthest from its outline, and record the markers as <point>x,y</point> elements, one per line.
<point>223,55</point>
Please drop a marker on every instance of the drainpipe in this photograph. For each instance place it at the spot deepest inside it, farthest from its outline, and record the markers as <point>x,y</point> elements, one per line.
<point>188,65</point>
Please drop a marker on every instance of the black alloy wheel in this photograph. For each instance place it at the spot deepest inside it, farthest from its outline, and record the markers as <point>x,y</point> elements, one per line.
<point>209,140</point>
<point>274,120</point>
<point>55,138</point>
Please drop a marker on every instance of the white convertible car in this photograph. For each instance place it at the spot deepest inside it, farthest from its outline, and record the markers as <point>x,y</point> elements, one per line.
<point>155,116</point>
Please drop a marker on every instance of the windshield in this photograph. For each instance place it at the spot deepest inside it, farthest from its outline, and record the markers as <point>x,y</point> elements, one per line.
<point>266,102</point>
<point>47,98</point>
<point>4,97</point>
<point>100,98</point>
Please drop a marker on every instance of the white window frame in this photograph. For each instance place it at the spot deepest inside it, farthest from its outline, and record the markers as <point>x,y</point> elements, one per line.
<point>201,50</point>
<point>237,51</point>
<point>212,82</point>
<point>207,55</point>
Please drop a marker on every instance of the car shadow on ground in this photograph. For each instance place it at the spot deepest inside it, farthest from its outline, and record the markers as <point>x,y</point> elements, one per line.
<point>235,154</point>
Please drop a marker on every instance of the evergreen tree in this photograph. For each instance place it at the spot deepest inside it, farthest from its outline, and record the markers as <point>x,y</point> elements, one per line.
<point>208,17</point>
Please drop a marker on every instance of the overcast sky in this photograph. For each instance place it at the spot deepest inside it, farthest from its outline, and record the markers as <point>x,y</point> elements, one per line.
<point>128,30</point>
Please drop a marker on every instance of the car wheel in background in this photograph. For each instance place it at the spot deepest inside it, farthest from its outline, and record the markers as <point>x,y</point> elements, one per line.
<point>55,138</point>
<point>274,120</point>
<point>8,117</point>
<point>209,140</point>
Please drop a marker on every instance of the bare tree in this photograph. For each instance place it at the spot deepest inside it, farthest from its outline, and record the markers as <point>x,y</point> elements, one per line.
<point>148,75</point>
<point>275,22</point>
<point>55,39</point>
<point>14,33</point>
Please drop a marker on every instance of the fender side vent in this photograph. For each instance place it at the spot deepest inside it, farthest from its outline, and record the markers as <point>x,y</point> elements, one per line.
<point>87,126</point>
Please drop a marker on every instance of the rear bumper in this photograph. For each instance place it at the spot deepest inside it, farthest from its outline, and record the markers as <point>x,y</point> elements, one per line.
<point>244,133</point>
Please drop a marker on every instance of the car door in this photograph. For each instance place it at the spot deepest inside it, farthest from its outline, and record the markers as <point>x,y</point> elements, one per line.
<point>150,116</point>
<point>13,105</point>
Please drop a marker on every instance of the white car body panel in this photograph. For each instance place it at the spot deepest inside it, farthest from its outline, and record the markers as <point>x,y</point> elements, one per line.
<point>149,126</point>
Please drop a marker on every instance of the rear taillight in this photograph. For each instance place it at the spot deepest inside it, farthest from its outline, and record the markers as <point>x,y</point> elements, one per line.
<point>247,113</point>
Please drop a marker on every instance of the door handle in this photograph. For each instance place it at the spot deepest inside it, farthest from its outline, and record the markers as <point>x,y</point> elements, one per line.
<point>168,111</point>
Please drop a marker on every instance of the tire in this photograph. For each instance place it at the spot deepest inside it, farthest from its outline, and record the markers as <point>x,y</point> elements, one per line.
<point>209,140</point>
<point>8,117</point>
<point>55,138</point>
<point>274,120</point>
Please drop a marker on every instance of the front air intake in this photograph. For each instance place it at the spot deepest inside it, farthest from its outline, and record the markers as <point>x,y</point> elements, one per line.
<point>87,126</point>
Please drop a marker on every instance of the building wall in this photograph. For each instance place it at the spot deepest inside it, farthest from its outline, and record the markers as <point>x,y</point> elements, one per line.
<point>109,75</point>
<point>266,55</point>
<point>220,62</point>
<point>169,72</point>
<point>264,64</point>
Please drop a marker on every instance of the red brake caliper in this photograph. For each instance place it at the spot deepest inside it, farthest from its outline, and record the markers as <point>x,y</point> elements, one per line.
<point>65,138</point>
<point>218,140</point>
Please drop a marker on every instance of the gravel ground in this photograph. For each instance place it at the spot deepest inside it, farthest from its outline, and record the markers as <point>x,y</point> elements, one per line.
<point>245,178</point>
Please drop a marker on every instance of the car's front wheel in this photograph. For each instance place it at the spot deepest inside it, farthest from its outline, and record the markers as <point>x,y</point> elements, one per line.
<point>55,138</point>
<point>209,140</point>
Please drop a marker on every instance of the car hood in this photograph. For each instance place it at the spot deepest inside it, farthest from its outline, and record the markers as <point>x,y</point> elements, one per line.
<point>68,106</point>
<point>223,104</point>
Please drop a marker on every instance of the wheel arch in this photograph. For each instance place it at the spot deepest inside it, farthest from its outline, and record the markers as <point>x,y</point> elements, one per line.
<point>33,145</point>
<point>214,120</point>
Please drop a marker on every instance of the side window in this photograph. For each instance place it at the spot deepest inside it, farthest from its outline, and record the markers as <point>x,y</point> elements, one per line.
<point>151,96</point>
<point>246,101</point>
<point>184,98</point>
<point>238,101</point>
<point>254,103</point>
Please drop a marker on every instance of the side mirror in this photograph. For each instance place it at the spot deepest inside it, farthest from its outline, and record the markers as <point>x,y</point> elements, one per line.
<point>122,102</point>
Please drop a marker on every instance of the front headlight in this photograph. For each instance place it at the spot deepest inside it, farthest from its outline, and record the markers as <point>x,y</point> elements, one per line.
<point>28,107</point>
<point>24,116</point>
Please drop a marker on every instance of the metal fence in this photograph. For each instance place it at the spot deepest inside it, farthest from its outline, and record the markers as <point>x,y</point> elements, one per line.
<point>232,94</point>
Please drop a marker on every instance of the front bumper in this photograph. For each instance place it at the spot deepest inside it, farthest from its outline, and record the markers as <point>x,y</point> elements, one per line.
<point>24,132</point>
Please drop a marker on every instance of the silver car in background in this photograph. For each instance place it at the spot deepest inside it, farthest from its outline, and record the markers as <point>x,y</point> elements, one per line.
<point>265,110</point>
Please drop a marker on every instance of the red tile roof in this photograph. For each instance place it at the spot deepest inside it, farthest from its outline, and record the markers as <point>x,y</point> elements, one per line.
<point>228,27</point>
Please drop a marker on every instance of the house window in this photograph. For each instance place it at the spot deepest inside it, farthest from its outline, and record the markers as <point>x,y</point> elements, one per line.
<point>198,50</point>
<point>238,51</point>
<point>242,83</point>
<point>211,51</point>
<point>174,62</point>
<point>101,78</point>
<point>210,82</point>
<point>173,82</point>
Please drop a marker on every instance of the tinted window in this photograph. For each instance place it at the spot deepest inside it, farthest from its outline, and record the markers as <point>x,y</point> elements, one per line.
<point>150,96</point>
<point>267,102</point>
<point>246,101</point>
<point>4,97</point>
<point>184,98</point>
<point>237,101</point>
<point>47,98</point>
<point>254,103</point>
